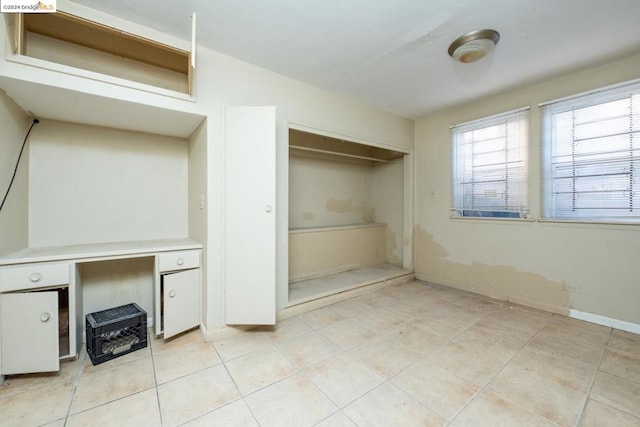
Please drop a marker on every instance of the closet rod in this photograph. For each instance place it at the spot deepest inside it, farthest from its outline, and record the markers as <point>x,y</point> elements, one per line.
<point>353,156</point>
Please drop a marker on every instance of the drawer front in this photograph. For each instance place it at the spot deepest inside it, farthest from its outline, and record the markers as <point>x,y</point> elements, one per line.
<point>182,260</point>
<point>33,276</point>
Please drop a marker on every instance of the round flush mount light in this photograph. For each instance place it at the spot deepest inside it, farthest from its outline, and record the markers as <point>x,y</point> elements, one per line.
<point>474,45</point>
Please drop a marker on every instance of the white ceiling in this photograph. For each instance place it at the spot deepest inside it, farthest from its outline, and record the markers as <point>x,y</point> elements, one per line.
<point>392,54</point>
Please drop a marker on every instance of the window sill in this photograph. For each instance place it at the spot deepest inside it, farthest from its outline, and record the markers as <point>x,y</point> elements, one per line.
<point>491,219</point>
<point>586,222</point>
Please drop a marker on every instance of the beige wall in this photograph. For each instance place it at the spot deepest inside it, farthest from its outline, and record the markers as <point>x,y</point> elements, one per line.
<point>14,124</point>
<point>315,252</point>
<point>555,266</point>
<point>329,192</point>
<point>91,184</point>
<point>388,206</point>
<point>334,191</point>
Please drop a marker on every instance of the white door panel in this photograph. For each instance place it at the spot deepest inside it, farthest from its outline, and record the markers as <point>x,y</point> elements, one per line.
<point>181,295</point>
<point>29,332</point>
<point>250,215</point>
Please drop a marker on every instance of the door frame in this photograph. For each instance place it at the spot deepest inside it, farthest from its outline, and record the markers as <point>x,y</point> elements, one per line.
<point>282,194</point>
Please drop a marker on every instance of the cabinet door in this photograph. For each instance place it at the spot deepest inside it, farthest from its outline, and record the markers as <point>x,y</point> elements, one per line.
<point>29,332</point>
<point>181,296</point>
<point>250,220</point>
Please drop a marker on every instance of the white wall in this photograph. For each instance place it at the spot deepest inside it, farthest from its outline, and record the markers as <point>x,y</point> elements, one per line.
<point>91,184</point>
<point>109,284</point>
<point>554,266</point>
<point>14,124</point>
<point>219,80</point>
<point>388,206</point>
<point>235,82</point>
<point>329,192</point>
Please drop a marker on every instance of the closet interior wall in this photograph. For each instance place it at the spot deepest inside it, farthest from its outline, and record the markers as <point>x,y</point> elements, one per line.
<point>345,210</point>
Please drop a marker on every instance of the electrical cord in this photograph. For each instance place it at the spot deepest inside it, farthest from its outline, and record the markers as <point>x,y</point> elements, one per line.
<point>15,170</point>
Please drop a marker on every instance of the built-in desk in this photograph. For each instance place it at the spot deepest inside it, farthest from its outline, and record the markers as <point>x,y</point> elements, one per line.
<point>41,313</point>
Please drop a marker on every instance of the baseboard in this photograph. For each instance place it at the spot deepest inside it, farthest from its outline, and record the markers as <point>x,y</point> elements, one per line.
<point>605,321</point>
<point>575,314</point>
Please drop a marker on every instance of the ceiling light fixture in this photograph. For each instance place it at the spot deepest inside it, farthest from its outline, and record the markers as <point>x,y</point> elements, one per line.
<point>474,45</point>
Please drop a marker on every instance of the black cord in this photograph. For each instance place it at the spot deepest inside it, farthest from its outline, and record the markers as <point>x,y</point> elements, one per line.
<point>15,170</point>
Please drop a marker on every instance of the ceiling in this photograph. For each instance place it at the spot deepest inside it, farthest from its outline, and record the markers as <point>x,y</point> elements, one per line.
<point>393,54</point>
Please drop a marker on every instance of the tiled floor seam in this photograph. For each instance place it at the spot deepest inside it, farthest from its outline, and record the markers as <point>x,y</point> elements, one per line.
<point>242,397</point>
<point>82,358</point>
<point>595,375</point>
<point>617,409</point>
<point>483,388</point>
<point>420,359</point>
<point>155,381</point>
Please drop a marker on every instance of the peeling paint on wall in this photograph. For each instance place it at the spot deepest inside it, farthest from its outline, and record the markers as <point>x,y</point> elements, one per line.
<point>502,282</point>
<point>346,205</point>
<point>392,248</point>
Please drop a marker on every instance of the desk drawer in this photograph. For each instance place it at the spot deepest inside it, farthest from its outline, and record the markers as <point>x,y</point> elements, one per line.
<point>182,260</point>
<point>32,276</point>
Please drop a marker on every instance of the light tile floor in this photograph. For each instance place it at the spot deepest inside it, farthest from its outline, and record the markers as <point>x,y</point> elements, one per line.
<point>407,355</point>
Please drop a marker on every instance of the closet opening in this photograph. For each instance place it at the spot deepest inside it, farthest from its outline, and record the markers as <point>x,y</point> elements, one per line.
<point>346,216</point>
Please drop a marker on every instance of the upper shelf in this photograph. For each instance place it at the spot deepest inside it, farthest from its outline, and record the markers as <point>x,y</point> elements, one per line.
<point>306,142</point>
<point>66,67</point>
<point>80,31</point>
<point>67,39</point>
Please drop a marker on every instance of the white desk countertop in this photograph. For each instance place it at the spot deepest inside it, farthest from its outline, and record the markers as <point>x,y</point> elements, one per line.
<point>97,250</point>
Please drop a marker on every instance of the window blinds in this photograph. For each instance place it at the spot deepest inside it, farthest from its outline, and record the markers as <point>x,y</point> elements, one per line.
<point>490,166</point>
<point>591,156</point>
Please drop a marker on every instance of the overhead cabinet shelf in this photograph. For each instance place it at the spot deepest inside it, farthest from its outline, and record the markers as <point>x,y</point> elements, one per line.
<point>77,42</point>
<point>305,143</point>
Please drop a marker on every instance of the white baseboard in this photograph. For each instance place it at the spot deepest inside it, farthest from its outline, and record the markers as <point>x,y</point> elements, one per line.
<point>605,321</point>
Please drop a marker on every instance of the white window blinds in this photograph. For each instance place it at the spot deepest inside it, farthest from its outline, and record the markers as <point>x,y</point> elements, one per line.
<point>591,156</point>
<point>490,166</point>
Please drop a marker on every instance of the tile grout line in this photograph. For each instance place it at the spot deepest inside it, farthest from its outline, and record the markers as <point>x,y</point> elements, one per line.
<point>242,397</point>
<point>485,387</point>
<point>76,380</point>
<point>413,363</point>
<point>595,375</point>
<point>155,377</point>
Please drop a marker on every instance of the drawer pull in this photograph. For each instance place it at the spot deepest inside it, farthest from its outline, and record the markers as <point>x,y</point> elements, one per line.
<point>180,261</point>
<point>44,317</point>
<point>35,277</point>
<point>172,293</point>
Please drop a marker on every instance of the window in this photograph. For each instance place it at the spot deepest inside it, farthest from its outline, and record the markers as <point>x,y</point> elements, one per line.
<point>591,156</point>
<point>490,167</point>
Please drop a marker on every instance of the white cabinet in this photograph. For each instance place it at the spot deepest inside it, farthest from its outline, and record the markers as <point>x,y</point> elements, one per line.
<point>181,296</point>
<point>41,294</point>
<point>30,340</point>
<point>37,317</point>
<point>178,292</point>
